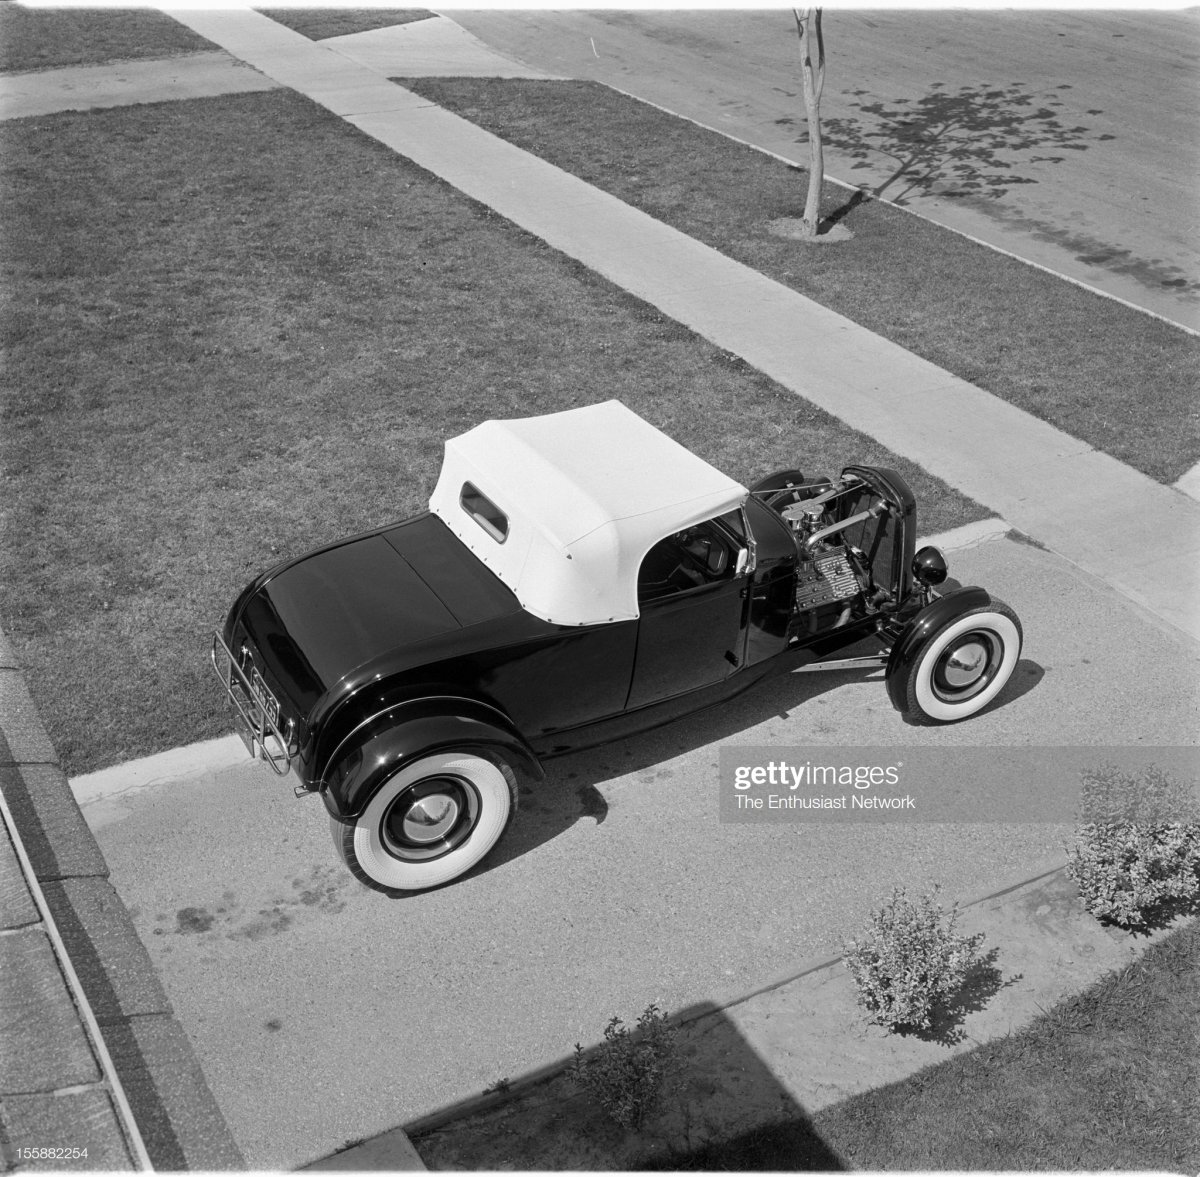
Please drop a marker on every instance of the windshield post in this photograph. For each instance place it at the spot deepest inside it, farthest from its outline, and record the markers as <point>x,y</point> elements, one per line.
<point>751,545</point>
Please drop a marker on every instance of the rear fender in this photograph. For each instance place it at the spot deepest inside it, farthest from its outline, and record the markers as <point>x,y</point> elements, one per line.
<point>930,619</point>
<point>408,731</point>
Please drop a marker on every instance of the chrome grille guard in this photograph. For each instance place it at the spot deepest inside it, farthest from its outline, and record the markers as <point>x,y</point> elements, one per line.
<point>256,710</point>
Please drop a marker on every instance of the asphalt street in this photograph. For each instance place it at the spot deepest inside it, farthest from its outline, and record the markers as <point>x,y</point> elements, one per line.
<point>323,1012</point>
<point>1067,138</point>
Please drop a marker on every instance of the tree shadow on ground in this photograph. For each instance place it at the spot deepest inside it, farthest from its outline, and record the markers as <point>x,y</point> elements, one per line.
<point>977,141</point>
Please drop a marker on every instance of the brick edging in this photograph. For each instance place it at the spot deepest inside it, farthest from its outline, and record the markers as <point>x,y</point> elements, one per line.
<point>175,1111</point>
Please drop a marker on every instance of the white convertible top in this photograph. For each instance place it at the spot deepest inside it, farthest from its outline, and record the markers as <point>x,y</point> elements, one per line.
<point>586,494</point>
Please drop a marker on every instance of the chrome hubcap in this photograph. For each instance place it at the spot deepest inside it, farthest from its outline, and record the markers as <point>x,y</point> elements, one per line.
<point>966,667</point>
<point>965,664</point>
<point>430,818</point>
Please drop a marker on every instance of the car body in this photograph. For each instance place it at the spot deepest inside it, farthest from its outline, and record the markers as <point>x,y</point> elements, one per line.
<point>578,577</point>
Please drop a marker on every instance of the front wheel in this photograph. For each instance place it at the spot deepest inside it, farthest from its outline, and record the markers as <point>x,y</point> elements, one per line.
<point>428,823</point>
<point>961,667</point>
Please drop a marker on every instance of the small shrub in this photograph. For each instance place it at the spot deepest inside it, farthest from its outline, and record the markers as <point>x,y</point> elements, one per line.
<point>1136,847</point>
<point>909,960</point>
<point>630,1073</point>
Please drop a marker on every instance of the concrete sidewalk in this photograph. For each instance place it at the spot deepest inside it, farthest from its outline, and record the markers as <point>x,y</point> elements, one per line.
<point>126,83</point>
<point>1079,502</point>
<point>434,47</point>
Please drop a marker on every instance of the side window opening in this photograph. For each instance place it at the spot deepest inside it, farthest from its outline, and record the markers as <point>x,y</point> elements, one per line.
<point>484,512</point>
<point>688,559</point>
<point>733,522</point>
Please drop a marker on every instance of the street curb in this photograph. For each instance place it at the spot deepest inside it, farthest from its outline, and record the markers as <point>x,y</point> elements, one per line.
<point>969,535</point>
<point>475,1104</point>
<point>169,1098</point>
<point>1189,483</point>
<point>132,776</point>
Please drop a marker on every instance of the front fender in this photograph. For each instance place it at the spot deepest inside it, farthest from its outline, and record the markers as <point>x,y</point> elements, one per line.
<point>407,732</point>
<point>930,619</point>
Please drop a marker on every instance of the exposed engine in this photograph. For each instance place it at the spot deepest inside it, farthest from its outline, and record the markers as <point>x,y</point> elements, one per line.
<point>827,572</point>
<point>828,577</point>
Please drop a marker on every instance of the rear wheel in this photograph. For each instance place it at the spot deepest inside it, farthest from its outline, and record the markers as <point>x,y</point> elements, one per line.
<point>429,822</point>
<point>961,667</point>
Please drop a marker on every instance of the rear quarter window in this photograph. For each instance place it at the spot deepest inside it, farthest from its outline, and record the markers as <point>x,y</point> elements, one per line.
<point>484,512</point>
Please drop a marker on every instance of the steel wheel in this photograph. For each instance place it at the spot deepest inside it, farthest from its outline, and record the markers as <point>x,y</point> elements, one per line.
<point>429,823</point>
<point>963,666</point>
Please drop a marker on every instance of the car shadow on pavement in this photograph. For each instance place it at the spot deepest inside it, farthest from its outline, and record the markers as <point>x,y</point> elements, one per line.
<point>722,1107</point>
<point>571,791</point>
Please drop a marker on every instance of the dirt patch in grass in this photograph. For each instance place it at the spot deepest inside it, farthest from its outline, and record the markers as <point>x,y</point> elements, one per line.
<point>1121,380</point>
<point>1105,1078</point>
<point>47,38</point>
<point>318,23</point>
<point>235,329</point>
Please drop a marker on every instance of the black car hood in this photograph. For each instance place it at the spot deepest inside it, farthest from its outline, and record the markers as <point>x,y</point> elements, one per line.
<point>319,618</point>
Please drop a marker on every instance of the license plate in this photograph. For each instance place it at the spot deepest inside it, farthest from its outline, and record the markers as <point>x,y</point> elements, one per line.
<point>263,696</point>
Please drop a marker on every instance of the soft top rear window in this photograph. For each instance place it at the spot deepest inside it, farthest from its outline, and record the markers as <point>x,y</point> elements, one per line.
<point>484,512</point>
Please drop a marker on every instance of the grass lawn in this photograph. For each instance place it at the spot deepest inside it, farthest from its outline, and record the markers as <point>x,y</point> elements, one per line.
<point>234,329</point>
<point>319,23</point>
<point>48,38</point>
<point>1106,1080</point>
<point>1119,379</point>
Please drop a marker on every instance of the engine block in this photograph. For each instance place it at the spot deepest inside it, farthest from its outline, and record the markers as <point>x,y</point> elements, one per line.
<point>827,578</point>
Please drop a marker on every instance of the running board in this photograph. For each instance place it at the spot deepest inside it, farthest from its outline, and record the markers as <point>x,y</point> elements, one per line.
<point>870,662</point>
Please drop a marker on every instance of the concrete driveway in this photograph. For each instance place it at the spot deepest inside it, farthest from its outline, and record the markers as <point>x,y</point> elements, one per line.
<point>323,1013</point>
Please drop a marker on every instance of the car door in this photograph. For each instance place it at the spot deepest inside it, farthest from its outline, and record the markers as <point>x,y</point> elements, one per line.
<point>692,628</point>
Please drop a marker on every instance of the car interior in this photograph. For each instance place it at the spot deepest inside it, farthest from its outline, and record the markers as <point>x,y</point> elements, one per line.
<point>689,559</point>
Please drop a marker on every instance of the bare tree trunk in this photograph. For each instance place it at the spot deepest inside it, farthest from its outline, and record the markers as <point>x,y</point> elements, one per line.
<point>808,25</point>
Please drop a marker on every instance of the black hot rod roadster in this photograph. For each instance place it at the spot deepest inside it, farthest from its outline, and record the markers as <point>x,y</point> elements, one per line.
<point>577,578</point>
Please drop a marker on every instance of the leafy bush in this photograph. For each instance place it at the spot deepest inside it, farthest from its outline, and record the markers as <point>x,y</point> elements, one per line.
<point>629,1073</point>
<point>909,960</point>
<point>1137,845</point>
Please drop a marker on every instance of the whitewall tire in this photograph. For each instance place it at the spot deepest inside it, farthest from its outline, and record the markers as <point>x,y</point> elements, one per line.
<point>961,667</point>
<point>429,823</point>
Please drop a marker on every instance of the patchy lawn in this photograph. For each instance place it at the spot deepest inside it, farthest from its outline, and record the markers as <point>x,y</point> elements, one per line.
<point>236,328</point>
<point>318,23</point>
<point>48,38</point>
